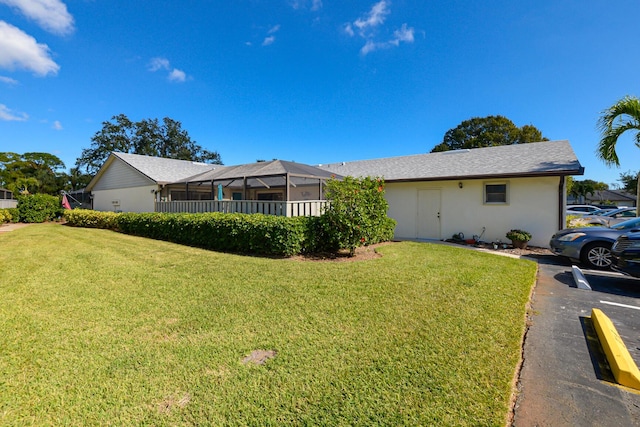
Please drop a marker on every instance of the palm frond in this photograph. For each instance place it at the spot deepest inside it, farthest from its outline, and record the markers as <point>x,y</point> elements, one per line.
<point>616,120</point>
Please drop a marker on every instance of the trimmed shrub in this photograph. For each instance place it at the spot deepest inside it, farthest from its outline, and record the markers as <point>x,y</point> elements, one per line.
<point>242,233</point>
<point>38,207</point>
<point>14,214</point>
<point>357,215</point>
<point>317,235</point>
<point>91,219</point>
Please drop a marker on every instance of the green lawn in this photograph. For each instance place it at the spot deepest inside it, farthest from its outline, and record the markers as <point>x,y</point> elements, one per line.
<point>101,328</point>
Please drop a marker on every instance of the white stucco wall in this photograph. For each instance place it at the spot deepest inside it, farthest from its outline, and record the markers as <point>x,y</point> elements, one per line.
<point>532,206</point>
<point>133,199</point>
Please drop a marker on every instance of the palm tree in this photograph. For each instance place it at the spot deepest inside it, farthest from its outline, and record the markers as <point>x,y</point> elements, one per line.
<point>616,120</point>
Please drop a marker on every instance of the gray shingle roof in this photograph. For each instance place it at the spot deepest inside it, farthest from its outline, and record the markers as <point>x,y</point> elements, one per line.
<point>612,195</point>
<point>162,170</point>
<point>260,169</point>
<point>533,159</point>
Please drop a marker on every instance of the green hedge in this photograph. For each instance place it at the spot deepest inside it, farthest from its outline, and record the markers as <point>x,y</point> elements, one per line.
<point>39,207</point>
<point>91,219</point>
<point>356,217</point>
<point>242,233</point>
<point>256,234</point>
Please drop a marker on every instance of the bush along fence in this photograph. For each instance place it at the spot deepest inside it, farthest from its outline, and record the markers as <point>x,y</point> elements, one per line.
<point>33,208</point>
<point>356,217</point>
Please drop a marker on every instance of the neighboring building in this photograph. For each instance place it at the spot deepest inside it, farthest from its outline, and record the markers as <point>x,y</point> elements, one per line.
<point>6,199</point>
<point>483,191</point>
<point>134,183</point>
<point>131,183</point>
<point>611,197</point>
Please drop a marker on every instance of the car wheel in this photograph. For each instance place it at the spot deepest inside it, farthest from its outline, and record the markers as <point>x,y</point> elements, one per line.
<point>597,255</point>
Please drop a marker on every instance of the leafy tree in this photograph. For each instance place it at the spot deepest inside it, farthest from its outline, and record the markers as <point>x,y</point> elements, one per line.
<point>147,137</point>
<point>623,116</point>
<point>76,180</point>
<point>585,187</point>
<point>487,131</point>
<point>32,173</point>
<point>629,181</point>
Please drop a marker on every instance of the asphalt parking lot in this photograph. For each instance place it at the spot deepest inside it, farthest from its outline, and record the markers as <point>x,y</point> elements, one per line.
<point>565,378</point>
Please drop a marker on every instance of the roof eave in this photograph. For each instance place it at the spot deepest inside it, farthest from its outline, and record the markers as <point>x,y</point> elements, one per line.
<point>579,171</point>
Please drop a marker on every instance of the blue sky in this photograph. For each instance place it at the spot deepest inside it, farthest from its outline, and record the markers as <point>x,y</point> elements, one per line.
<point>315,81</point>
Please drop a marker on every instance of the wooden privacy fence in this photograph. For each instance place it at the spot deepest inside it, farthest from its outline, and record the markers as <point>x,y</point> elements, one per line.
<point>298,208</point>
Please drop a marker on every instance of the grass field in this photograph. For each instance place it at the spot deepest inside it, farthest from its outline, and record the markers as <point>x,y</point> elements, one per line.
<point>100,328</point>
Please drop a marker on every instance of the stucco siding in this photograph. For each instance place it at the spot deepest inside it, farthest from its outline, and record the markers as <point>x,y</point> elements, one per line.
<point>135,199</point>
<point>532,205</point>
<point>121,175</point>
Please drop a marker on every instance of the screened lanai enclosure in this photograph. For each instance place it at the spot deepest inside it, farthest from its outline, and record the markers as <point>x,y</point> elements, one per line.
<point>6,199</point>
<point>274,188</point>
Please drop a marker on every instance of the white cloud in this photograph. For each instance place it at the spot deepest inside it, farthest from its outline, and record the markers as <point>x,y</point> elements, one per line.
<point>159,64</point>
<point>20,50</point>
<point>302,4</point>
<point>375,17</point>
<point>9,115</point>
<point>268,40</point>
<point>177,75</point>
<point>52,15</point>
<point>404,34</point>
<point>8,80</point>
<point>57,125</point>
<point>369,46</point>
<point>271,38</point>
<point>368,24</point>
<point>349,30</point>
<point>274,29</point>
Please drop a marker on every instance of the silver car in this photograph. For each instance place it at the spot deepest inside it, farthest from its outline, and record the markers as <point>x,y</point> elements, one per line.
<point>590,246</point>
<point>610,218</point>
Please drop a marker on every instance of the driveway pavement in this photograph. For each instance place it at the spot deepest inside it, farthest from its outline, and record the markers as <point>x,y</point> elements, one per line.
<point>565,380</point>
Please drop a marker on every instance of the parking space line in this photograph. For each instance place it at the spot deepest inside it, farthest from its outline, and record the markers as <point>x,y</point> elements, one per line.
<point>620,305</point>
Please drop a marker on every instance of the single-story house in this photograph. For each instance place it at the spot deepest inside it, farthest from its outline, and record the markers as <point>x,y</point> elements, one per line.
<point>613,197</point>
<point>135,183</point>
<point>483,191</point>
<point>131,182</point>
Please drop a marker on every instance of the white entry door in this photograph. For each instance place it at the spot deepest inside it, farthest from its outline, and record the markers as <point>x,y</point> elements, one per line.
<point>428,214</point>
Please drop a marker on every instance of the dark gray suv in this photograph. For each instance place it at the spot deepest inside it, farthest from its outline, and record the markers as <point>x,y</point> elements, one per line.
<point>625,254</point>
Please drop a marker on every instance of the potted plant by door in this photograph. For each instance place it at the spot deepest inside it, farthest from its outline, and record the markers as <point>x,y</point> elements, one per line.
<point>519,238</point>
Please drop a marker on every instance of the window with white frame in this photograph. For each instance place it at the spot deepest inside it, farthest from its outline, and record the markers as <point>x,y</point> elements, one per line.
<point>496,193</point>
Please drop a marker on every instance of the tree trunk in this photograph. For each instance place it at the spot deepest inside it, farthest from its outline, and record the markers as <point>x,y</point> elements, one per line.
<point>638,196</point>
